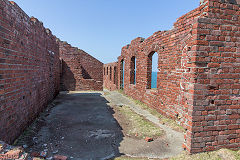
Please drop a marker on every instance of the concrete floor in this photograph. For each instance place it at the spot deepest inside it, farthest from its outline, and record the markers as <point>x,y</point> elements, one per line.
<point>164,147</point>
<point>81,126</point>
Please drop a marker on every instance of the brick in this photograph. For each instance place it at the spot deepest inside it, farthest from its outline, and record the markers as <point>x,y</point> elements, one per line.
<point>213,43</point>
<point>80,71</point>
<point>214,65</point>
<point>148,139</point>
<point>202,79</point>
<point>197,80</point>
<point>35,154</point>
<point>24,77</point>
<point>60,157</point>
<point>18,79</point>
<point>14,153</point>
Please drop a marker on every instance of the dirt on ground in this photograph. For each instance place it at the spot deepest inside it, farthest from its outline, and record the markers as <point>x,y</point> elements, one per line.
<point>85,125</point>
<point>123,122</point>
<point>163,147</point>
<point>131,129</point>
<point>98,126</point>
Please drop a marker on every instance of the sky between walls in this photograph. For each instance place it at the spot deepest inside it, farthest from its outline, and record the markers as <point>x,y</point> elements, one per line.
<point>103,27</point>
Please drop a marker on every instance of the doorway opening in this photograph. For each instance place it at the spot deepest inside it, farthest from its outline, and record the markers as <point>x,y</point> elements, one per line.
<point>122,74</point>
<point>152,70</point>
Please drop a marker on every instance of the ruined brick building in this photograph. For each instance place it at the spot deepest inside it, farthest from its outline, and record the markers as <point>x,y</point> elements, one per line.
<point>197,80</point>
<point>80,71</point>
<point>198,74</point>
<point>34,67</point>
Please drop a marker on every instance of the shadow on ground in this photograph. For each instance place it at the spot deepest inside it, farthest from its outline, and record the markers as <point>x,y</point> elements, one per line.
<point>80,126</point>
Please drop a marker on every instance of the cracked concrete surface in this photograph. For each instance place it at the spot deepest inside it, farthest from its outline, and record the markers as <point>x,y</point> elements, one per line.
<point>168,147</point>
<point>81,126</point>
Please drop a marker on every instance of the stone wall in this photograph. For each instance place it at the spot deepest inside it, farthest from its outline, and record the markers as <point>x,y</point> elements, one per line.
<point>198,74</point>
<point>80,71</point>
<point>29,69</point>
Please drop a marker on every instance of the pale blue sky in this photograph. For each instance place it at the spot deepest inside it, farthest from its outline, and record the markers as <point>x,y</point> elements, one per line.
<point>103,27</point>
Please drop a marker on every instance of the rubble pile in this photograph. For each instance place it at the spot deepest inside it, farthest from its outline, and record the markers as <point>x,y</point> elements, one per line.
<point>8,152</point>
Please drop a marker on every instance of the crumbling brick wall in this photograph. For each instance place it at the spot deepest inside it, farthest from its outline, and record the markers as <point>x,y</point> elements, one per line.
<point>80,71</point>
<point>110,76</point>
<point>29,69</point>
<point>216,105</point>
<point>198,74</point>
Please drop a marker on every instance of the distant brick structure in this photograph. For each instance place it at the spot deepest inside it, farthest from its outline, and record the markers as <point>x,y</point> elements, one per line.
<point>29,69</point>
<point>198,74</point>
<point>110,75</point>
<point>80,71</point>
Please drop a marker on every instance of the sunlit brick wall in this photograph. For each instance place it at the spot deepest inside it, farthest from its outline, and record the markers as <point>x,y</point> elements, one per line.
<point>80,71</point>
<point>29,69</point>
<point>110,76</point>
<point>198,74</point>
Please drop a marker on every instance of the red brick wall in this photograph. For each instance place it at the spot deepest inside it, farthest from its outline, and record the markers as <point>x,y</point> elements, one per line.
<point>198,77</point>
<point>216,107</point>
<point>110,70</point>
<point>173,96</point>
<point>29,69</point>
<point>80,71</point>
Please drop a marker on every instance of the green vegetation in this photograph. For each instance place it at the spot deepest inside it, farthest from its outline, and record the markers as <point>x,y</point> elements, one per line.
<point>129,158</point>
<point>162,119</point>
<point>106,93</point>
<point>139,125</point>
<point>222,154</point>
<point>28,132</point>
<point>121,91</point>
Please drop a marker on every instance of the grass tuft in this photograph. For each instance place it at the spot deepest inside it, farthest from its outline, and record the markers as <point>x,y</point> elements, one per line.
<point>106,93</point>
<point>139,125</point>
<point>130,158</point>
<point>162,119</point>
<point>222,154</point>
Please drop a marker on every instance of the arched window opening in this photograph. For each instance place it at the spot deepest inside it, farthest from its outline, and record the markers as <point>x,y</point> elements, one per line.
<point>152,70</point>
<point>122,74</point>
<point>107,70</point>
<point>104,70</point>
<point>133,71</point>
<point>110,73</point>
<point>115,74</point>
